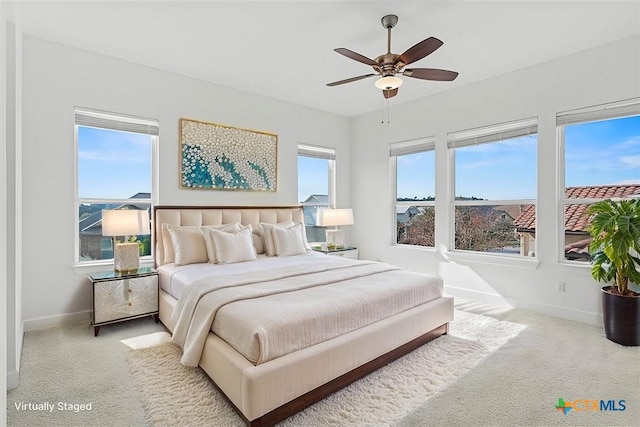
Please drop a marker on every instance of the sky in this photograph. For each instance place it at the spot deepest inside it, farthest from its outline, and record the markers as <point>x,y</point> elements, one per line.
<point>313,177</point>
<point>606,152</point>
<point>596,153</point>
<point>115,164</point>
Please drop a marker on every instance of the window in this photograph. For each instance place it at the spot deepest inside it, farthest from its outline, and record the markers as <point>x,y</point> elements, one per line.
<point>114,170</point>
<point>316,185</point>
<point>601,151</point>
<point>494,188</point>
<point>413,166</point>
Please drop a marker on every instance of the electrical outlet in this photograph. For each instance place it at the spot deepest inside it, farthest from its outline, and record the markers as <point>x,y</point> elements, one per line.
<point>560,286</point>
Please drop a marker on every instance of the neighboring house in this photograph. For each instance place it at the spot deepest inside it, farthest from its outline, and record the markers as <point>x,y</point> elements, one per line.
<point>576,219</point>
<point>510,212</point>
<point>405,213</point>
<point>92,244</point>
<point>310,209</point>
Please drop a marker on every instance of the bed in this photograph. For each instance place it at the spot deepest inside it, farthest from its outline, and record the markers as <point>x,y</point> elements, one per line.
<point>232,311</point>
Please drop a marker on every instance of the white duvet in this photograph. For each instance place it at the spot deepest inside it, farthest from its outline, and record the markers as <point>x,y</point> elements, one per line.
<point>273,306</point>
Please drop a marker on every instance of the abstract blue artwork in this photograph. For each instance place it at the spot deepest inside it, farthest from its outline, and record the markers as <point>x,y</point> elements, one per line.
<point>221,157</point>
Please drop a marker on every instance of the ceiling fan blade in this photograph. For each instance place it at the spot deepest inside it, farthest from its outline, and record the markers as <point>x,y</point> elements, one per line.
<point>389,93</point>
<point>352,79</point>
<point>355,56</point>
<point>431,74</point>
<point>420,50</point>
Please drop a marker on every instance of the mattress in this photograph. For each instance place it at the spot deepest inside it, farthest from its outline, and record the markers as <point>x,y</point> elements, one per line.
<point>274,306</point>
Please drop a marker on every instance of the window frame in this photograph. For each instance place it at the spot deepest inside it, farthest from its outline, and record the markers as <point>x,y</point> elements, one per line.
<point>487,135</point>
<point>86,117</point>
<point>596,113</point>
<point>325,153</point>
<point>403,148</point>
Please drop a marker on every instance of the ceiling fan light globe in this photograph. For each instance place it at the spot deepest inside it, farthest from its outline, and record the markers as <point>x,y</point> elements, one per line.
<point>388,83</point>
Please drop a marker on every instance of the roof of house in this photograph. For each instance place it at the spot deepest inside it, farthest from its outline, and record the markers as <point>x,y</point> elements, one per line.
<point>93,223</point>
<point>578,250</point>
<point>575,216</point>
<point>404,209</point>
<point>316,200</point>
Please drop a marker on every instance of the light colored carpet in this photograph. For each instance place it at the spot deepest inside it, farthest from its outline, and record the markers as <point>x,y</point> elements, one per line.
<point>172,394</point>
<point>521,382</point>
<point>517,384</point>
<point>69,365</point>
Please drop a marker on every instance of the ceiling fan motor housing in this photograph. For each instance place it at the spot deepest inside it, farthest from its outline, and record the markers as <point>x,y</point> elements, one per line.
<point>388,64</point>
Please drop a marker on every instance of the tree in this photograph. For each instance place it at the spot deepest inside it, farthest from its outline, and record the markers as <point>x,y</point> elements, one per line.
<point>419,230</point>
<point>482,228</point>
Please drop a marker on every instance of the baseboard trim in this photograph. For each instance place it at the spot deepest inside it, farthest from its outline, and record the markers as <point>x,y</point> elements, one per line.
<point>13,379</point>
<point>58,320</point>
<point>591,318</point>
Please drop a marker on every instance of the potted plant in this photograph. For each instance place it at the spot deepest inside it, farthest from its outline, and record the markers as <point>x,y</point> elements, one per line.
<point>615,249</point>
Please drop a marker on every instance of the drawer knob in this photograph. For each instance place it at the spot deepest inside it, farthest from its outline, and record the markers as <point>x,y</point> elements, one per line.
<point>129,290</point>
<point>129,304</point>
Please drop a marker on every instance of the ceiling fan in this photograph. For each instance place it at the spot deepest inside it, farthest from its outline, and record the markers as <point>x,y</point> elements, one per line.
<point>390,64</point>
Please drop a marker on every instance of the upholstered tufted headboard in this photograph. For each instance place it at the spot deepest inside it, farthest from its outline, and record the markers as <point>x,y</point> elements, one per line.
<point>217,215</point>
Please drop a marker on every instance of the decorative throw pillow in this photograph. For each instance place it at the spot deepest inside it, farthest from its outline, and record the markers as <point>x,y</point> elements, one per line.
<point>233,247</point>
<point>267,236</point>
<point>289,241</point>
<point>167,242</point>
<point>188,245</point>
<point>208,241</point>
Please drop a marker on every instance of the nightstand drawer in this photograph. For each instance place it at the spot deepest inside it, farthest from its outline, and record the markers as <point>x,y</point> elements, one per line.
<point>119,299</point>
<point>348,253</point>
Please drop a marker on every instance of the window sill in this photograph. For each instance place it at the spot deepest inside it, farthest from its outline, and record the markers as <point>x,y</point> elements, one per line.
<point>415,247</point>
<point>510,261</point>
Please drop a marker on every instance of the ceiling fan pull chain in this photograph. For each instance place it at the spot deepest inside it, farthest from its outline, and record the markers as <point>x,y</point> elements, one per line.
<point>388,112</point>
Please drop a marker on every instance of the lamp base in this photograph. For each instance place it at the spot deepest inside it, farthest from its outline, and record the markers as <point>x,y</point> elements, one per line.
<point>335,239</point>
<point>126,257</point>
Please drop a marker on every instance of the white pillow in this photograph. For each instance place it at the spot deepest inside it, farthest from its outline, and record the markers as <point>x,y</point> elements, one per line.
<point>257,240</point>
<point>289,241</point>
<point>304,236</point>
<point>188,245</point>
<point>267,236</point>
<point>233,247</point>
<point>208,241</point>
<point>167,244</point>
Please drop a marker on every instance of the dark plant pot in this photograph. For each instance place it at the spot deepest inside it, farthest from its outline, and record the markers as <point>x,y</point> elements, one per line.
<point>621,317</point>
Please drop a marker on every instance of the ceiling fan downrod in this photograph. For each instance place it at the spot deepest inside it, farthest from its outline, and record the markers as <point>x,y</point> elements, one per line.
<point>388,22</point>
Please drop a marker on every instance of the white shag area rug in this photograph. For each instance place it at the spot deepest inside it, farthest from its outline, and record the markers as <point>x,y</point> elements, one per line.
<point>172,394</point>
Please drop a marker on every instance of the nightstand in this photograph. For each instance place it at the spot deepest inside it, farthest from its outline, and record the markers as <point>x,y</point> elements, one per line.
<point>347,252</point>
<point>123,296</point>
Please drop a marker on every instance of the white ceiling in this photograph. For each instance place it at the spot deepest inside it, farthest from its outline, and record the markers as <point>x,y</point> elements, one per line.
<point>284,49</point>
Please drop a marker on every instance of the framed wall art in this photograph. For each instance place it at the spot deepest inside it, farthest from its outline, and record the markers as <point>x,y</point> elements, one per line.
<point>218,157</point>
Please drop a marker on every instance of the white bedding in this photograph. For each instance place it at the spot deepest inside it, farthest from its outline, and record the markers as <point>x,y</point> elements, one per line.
<point>305,299</point>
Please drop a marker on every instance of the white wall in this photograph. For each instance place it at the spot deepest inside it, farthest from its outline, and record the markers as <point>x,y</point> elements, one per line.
<point>604,74</point>
<point>56,78</point>
<point>14,200</point>
<point>3,217</point>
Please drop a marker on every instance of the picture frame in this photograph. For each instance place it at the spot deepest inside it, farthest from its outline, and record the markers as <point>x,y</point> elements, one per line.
<point>220,157</point>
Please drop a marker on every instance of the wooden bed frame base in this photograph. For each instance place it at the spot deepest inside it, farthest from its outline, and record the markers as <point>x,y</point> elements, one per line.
<point>298,404</point>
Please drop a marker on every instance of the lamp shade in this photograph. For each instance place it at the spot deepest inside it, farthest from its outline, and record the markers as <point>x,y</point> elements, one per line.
<point>334,217</point>
<point>125,222</point>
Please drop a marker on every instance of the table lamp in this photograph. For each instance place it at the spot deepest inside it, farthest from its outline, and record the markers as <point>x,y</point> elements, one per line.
<point>125,222</point>
<point>334,218</point>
